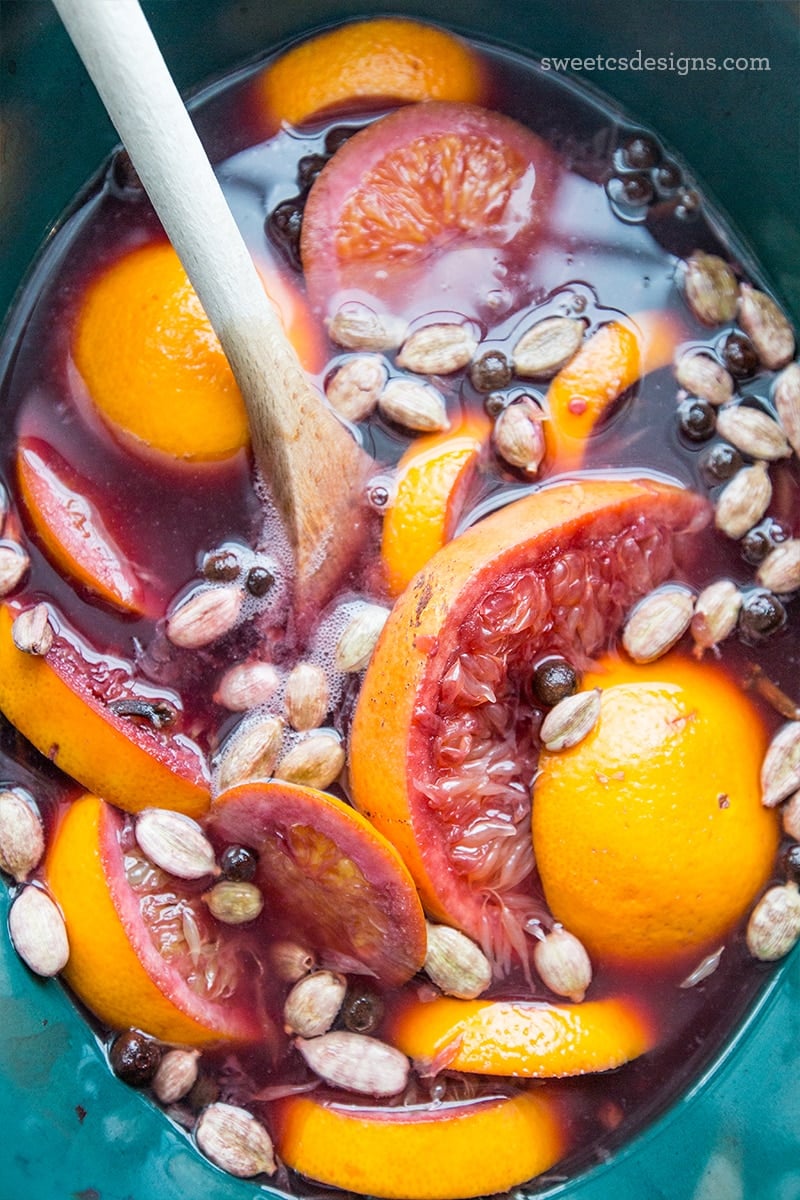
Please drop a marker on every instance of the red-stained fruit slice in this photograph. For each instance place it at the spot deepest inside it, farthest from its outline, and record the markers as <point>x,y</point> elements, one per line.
<point>85,715</point>
<point>522,1040</point>
<point>440,1151</point>
<point>436,199</point>
<point>443,748</point>
<point>68,524</point>
<point>342,887</point>
<point>144,952</point>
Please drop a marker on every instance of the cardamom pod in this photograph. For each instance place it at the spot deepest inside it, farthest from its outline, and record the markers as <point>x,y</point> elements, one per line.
<point>313,1003</point>
<point>21,835</point>
<point>233,902</point>
<point>704,377</point>
<point>547,347</point>
<point>658,622</point>
<point>204,617</point>
<point>518,436</point>
<point>455,964</point>
<point>743,502</point>
<point>175,843</point>
<point>234,1140</point>
<point>359,638</point>
<point>307,696</point>
<point>353,390</point>
<point>38,931</point>
<point>438,349</point>
<point>716,612</point>
<point>314,762</point>
<point>563,964</point>
<point>246,685</point>
<point>710,288</point>
<point>753,432</point>
<point>571,720</point>
<point>355,326</point>
<point>414,405</point>
<point>780,570</point>
<point>32,631</point>
<point>774,925</point>
<point>14,564</point>
<point>786,397</point>
<point>356,1063</point>
<point>176,1075</point>
<point>766,326</point>
<point>780,770</point>
<point>250,752</point>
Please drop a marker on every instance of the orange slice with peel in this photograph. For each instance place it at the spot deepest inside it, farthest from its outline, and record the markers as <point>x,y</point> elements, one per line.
<point>385,58</point>
<point>443,1151</point>
<point>431,200</point>
<point>441,756</point>
<point>69,526</point>
<point>153,365</point>
<point>341,886</point>
<point>433,478</point>
<point>650,836</point>
<point>521,1039</point>
<point>129,961</point>
<point>56,702</point>
<point>606,365</point>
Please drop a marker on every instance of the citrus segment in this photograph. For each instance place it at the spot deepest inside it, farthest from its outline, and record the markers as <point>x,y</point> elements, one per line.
<point>444,1151</point>
<point>650,837</point>
<point>609,363</point>
<point>153,365</point>
<point>340,884</point>
<point>435,199</point>
<point>115,964</point>
<point>384,58</point>
<point>71,529</point>
<point>521,1039</point>
<point>442,753</point>
<point>433,478</point>
<point>58,704</point>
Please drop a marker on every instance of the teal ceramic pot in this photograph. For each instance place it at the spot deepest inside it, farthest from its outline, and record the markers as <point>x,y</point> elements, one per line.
<point>69,1129</point>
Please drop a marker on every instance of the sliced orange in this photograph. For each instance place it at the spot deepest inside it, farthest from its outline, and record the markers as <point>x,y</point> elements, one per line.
<point>650,836</point>
<point>610,362</point>
<point>439,730</point>
<point>433,478</point>
<point>386,58</point>
<point>432,200</point>
<point>153,365</point>
<point>522,1039</point>
<point>72,531</point>
<point>128,959</point>
<point>56,703</point>
<point>443,1151</point>
<point>337,882</point>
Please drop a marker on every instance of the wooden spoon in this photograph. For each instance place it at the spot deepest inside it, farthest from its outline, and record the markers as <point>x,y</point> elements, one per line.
<point>314,468</point>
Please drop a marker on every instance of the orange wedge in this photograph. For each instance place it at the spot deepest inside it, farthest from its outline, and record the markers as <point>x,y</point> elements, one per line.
<point>52,702</point>
<point>610,362</point>
<point>433,478</point>
<point>525,1039</point>
<point>116,965</point>
<point>421,1152</point>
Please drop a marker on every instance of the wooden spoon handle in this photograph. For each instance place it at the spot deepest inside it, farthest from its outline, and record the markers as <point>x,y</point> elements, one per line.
<point>314,467</point>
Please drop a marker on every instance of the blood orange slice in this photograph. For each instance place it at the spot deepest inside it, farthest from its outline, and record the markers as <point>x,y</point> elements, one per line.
<point>435,199</point>
<point>441,1151</point>
<point>443,748</point>
<point>143,952</point>
<point>68,705</point>
<point>341,885</point>
<point>524,1040</point>
<point>69,525</point>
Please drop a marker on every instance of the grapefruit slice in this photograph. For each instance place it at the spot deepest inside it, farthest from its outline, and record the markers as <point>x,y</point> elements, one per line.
<point>70,528</point>
<point>341,885</point>
<point>442,749</point>
<point>142,952</point>
<point>441,1151</point>
<point>61,703</point>
<point>521,1039</point>
<point>434,199</point>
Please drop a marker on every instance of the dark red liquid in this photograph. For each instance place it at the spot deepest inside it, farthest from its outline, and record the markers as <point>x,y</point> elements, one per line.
<point>594,262</point>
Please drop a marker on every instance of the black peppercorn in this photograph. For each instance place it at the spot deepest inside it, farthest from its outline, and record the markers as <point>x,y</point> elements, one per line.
<point>258,582</point>
<point>553,680</point>
<point>761,615</point>
<point>740,356</point>
<point>491,371</point>
<point>362,1010</point>
<point>134,1058</point>
<point>720,463</point>
<point>238,864</point>
<point>696,419</point>
<point>641,151</point>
